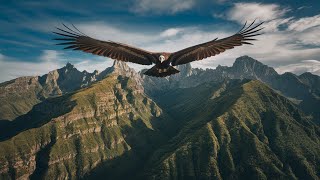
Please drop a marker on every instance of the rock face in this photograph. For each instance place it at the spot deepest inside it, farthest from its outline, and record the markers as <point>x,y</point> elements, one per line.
<point>21,94</point>
<point>246,67</point>
<point>198,124</point>
<point>243,130</point>
<point>302,90</point>
<point>243,68</point>
<point>73,133</point>
<point>18,96</point>
<point>311,80</point>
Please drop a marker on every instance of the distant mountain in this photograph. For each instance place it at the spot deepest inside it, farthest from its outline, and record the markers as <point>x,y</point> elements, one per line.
<point>21,94</point>
<point>198,124</point>
<point>311,80</point>
<point>303,90</point>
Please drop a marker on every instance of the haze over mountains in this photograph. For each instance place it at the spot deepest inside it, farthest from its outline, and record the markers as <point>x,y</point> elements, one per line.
<point>244,121</point>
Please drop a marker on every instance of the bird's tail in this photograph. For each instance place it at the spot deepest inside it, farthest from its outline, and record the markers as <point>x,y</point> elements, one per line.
<point>154,71</point>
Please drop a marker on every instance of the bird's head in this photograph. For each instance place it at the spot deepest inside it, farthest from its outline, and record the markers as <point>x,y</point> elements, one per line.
<point>161,58</point>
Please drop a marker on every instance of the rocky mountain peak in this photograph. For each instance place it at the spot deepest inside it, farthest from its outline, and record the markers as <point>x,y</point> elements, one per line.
<point>246,63</point>
<point>95,72</point>
<point>207,118</point>
<point>245,60</point>
<point>250,68</point>
<point>121,68</point>
<point>120,65</point>
<point>69,66</point>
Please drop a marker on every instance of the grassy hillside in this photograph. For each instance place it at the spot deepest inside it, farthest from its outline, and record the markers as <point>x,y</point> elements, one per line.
<point>68,136</point>
<point>247,131</point>
<point>235,129</point>
<point>18,96</point>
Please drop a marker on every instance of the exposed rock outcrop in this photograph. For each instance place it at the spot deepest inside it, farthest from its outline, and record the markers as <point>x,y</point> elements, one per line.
<point>210,124</point>
<point>21,94</point>
<point>302,90</point>
<point>248,131</point>
<point>74,133</point>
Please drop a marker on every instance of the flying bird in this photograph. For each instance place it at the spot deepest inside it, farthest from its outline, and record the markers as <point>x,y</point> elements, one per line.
<point>164,62</point>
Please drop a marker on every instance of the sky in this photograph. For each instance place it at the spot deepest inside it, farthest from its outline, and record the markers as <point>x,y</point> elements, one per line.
<point>290,42</point>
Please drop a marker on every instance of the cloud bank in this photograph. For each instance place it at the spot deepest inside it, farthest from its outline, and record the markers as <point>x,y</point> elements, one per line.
<point>288,42</point>
<point>242,12</point>
<point>312,66</point>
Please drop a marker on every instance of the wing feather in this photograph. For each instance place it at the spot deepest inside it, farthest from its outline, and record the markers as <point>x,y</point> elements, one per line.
<point>215,47</point>
<point>74,40</point>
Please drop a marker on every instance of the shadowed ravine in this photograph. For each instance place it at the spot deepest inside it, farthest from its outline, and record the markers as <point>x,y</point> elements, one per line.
<point>43,157</point>
<point>128,126</point>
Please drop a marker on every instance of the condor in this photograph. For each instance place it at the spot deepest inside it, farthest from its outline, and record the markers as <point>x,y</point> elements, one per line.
<point>164,61</point>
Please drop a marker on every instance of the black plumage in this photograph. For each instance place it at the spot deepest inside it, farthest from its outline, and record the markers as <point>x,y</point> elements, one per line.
<point>76,40</point>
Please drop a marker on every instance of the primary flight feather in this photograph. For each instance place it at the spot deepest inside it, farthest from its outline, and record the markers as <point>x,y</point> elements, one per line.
<point>164,61</point>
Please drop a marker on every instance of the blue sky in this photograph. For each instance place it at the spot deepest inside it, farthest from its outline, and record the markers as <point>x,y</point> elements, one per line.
<point>291,41</point>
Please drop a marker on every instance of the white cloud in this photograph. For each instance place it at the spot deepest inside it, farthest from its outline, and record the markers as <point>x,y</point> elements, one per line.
<point>305,23</point>
<point>271,48</point>
<point>304,7</point>
<point>274,47</point>
<point>312,66</point>
<point>271,14</point>
<point>98,63</point>
<point>91,65</point>
<point>171,32</point>
<point>103,31</point>
<point>50,55</point>
<point>305,30</point>
<point>188,37</point>
<point>13,69</point>
<point>309,36</point>
<point>242,12</point>
<point>285,45</point>
<point>162,6</point>
<point>273,25</point>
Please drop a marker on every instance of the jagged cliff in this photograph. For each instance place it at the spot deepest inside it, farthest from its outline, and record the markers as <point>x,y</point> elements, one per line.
<point>243,130</point>
<point>68,136</point>
<point>303,90</point>
<point>21,94</point>
<point>119,124</point>
<point>18,96</point>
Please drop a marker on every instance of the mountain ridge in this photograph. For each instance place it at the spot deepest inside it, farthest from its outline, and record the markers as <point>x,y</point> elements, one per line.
<point>125,124</point>
<point>56,83</point>
<point>75,132</point>
<point>218,138</point>
<point>303,89</point>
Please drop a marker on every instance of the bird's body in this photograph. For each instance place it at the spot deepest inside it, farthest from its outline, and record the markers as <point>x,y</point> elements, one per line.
<point>164,61</point>
<point>162,66</point>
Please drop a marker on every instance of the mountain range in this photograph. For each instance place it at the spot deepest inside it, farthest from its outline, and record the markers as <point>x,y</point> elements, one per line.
<point>240,122</point>
<point>302,90</point>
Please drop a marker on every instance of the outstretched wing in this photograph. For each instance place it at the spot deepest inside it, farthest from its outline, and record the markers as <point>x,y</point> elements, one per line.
<point>76,40</point>
<point>214,47</point>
